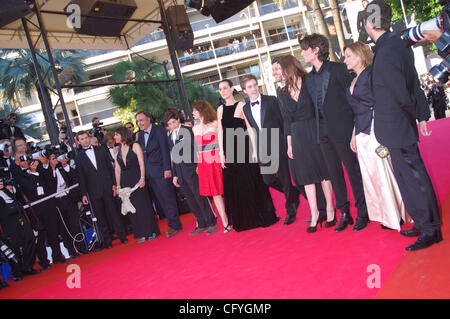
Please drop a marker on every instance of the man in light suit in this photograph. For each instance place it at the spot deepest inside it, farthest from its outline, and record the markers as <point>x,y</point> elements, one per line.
<point>158,169</point>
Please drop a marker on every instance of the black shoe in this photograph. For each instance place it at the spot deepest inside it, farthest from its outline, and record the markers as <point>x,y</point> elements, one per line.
<point>172,232</point>
<point>73,256</point>
<point>46,267</point>
<point>17,278</point>
<point>30,272</point>
<point>60,261</point>
<point>320,220</point>
<point>361,223</point>
<point>289,220</point>
<point>425,241</point>
<point>108,246</point>
<point>124,240</point>
<point>413,232</point>
<point>346,220</point>
<point>333,222</point>
<point>3,284</point>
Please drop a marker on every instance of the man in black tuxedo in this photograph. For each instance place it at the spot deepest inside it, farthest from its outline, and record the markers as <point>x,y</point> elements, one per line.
<point>33,182</point>
<point>264,115</point>
<point>327,84</point>
<point>11,130</point>
<point>153,140</point>
<point>6,159</point>
<point>184,172</point>
<point>399,103</point>
<point>96,178</point>
<point>438,101</point>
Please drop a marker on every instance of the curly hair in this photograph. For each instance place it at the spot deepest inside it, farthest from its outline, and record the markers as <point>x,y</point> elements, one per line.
<point>316,40</point>
<point>292,71</point>
<point>206,111</point>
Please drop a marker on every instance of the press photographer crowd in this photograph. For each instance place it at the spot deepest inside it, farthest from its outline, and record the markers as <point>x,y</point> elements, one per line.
<point>117,183</point>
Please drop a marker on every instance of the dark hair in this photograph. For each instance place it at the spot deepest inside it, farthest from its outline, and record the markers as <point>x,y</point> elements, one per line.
<point>246,78</point>
<point>11,115</point>
<point>292,71</point>
<point>316,40</point>
<point>206,110</point>
<point>125,134</point>
<point>276,59</point>
<point>385,12</point>
<point>230,84</point>
<point>14,143</point>
<point>94,118</point>
<point>81,133</point>
<point>129,123</point>
<point>146,113</point>
<point>171,113</point>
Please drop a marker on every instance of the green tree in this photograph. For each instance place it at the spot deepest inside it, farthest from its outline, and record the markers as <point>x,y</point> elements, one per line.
<point>17,71</point>
<point>25,121</point>
<point>153,97</point>
<point>423,10</point>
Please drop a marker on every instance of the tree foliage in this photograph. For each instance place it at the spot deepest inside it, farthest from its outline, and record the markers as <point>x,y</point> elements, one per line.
<point>423,10</point>
<point>153,97</point>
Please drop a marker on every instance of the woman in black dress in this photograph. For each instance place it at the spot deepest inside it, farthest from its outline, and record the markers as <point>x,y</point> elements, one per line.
<point>309,165</point>
<point>247,199</point>
<point>130,171</point>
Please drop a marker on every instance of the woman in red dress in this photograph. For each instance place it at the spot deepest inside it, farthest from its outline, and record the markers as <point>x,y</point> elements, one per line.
<point>209,167</point>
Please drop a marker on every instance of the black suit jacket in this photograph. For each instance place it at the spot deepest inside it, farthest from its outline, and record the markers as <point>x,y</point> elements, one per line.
<point>156,152</point>
<point>271,118</point>
<point>96,182</point>
<point>337,111</point>
<point>399,99</point>
<point>17,132</point>
<point>70,178</point>
<point>186,150</point>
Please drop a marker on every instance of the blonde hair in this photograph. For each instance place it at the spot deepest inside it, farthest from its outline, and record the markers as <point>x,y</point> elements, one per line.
<point>363,51</point>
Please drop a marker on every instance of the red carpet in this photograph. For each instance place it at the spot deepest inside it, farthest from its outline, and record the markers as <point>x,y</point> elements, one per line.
<point>276,262</point>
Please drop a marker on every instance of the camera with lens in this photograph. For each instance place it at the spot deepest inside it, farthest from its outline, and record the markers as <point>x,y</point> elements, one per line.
<point>440,72</point>
<point>6,254</point>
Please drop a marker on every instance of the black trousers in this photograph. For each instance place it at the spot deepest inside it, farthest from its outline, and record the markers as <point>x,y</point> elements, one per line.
<point>416,188</point>
<point>199,205</point>
<point>336,154</point>
<point>50,224</point>
<point>165,193</point>
<point>19,234</point>
<point>106,212</point>
<point>282,182</point>
<point>69,213</point>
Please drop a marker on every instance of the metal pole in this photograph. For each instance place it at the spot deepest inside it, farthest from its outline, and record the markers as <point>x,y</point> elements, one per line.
<point>172,93</point>
<point>175,63</point>
<point>47,107</point>
<point>214,51</point>
<point>55,75</point>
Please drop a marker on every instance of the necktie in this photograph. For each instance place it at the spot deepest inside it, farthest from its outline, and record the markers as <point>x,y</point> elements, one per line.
<point>253,103</point>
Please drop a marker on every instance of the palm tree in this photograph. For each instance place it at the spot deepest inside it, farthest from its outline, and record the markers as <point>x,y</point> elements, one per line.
<point>26,122</point>
<point>319,21</point>
<point>338,23</point>
<point>17,71</point>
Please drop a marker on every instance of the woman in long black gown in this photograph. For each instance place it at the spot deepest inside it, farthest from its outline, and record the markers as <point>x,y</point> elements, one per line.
<point>309,166</point>
<point>130,170</point>
<point>247,199</point>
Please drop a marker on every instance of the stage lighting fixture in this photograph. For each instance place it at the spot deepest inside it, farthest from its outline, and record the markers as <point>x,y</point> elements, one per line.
<point>219,9</point>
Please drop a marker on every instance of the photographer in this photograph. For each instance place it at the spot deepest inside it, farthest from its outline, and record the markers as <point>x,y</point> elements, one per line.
<point>17,232</point>
<point>11,130</point>
<point>61,176</point>
<point>30,175</point>
<point>5,158</point>
<point>97,130</point>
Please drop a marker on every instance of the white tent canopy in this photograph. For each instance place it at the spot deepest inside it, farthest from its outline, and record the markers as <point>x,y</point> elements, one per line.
<point>60,36</point>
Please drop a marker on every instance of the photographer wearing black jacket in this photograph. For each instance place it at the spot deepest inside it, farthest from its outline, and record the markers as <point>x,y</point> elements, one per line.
<point>11,130</point>
<point>17,232</point>
<point>31,177</point>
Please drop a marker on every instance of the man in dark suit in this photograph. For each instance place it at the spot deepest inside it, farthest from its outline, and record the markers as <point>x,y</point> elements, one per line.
<point>438,101</point>
<point>327,84</point>
<point>264,115</point>
<point>184,171</point>
<point>96,178</point>
<point>11,130</point>
<point>399,103</point>
<point>153,140</point>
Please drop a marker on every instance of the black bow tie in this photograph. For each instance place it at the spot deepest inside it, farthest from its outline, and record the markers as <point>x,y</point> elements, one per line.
<point>145,132</point>
<point>253,103</point>
<point>88,148</point>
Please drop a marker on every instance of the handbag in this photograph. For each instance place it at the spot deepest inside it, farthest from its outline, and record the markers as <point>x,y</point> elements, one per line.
<point>382,151</point>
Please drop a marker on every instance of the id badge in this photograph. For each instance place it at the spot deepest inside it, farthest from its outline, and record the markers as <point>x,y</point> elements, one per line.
<point>40,190</point>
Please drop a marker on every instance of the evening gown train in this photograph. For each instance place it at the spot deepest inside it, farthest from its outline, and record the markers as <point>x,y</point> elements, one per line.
<point>248,202</point>
<point>143,221</point>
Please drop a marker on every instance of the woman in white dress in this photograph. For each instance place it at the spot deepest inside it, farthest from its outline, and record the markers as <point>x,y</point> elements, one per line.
<point>383,198</point>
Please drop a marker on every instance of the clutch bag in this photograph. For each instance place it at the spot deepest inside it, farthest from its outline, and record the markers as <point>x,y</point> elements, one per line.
<point>382,151</point>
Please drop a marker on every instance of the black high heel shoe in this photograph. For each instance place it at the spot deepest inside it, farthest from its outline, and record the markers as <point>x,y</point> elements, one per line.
<point>333,222</point>
<point>313,229</point>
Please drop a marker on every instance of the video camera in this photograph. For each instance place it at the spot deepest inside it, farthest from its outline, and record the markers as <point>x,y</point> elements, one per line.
<point>440,72</point>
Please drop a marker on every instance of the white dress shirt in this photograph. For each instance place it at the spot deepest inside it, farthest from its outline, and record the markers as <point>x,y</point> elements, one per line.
<point>147,135</point>
<point>61,182</point>
<point>111,151</point>
<point>175,134</point>
<point>6,198</point>
<point>91,154</point>
<point>256,111</point>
